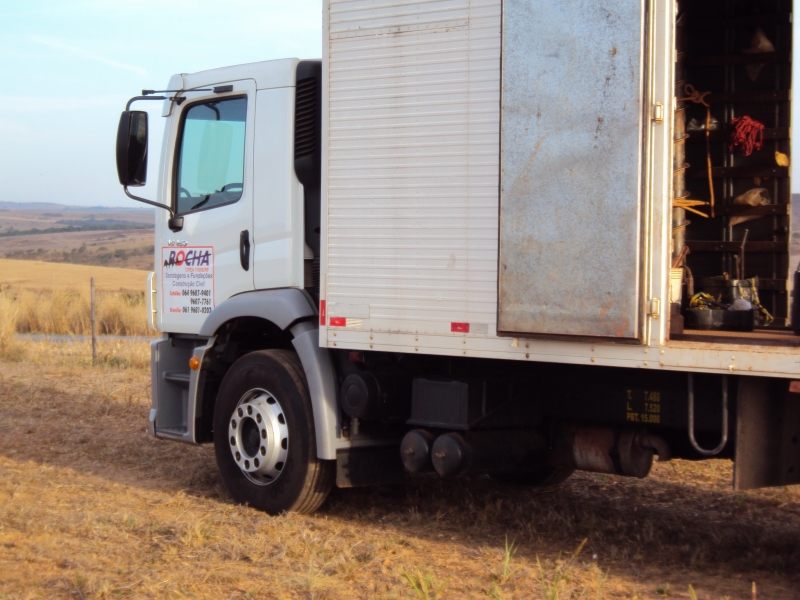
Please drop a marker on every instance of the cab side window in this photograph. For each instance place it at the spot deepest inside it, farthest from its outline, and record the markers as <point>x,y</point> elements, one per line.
<point>210,168</point>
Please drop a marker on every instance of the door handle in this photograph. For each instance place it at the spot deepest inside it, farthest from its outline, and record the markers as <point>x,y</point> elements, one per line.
<point>244,249</point>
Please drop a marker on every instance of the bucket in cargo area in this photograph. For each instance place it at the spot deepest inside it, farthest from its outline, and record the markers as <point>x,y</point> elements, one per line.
<point>730,290</point>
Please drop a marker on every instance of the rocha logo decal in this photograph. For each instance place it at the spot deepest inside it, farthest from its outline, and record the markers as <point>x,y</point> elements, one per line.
<point>191,258</point>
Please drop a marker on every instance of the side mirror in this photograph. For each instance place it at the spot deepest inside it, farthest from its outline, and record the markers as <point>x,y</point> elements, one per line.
<point>175,224</point>
<point>132,148</point>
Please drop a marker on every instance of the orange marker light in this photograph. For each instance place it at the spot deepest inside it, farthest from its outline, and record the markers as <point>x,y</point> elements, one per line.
<point>194,363</point>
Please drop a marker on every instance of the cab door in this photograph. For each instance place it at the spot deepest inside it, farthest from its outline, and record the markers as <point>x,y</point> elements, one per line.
<point>209,183</point>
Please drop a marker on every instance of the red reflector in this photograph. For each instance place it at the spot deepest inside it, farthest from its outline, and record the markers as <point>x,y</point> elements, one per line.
<point>459,327</point>
<point>356,356</point>
<point>794,387</point>
<point>322,313</point>
<point>338,322</point>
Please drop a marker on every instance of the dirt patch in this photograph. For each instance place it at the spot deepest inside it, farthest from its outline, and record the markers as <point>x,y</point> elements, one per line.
<point>91,237</point>
<point>129,249</point>
<point>93,507</point>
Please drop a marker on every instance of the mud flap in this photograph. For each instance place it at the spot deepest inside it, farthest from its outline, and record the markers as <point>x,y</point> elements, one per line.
<point>372,465</point>
<point>767,434</point>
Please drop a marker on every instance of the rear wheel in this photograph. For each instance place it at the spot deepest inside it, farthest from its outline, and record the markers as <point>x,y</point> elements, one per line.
<point>264,435</point>
<point>545,476</point>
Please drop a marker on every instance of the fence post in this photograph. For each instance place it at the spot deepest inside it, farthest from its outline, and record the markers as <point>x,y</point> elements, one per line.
<point>94,329</point>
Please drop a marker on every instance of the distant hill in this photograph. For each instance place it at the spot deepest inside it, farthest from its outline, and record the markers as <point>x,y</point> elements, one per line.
<point>51,206</point>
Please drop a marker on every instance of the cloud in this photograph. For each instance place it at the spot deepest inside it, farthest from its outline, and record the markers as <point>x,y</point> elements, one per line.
<point>56,45</point>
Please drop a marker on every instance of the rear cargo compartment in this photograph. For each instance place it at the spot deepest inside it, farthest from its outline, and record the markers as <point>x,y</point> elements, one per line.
<point>517,180</point>
<point>731,174</point>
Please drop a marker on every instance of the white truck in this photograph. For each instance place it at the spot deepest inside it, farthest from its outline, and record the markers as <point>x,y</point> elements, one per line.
<point>479,236</point>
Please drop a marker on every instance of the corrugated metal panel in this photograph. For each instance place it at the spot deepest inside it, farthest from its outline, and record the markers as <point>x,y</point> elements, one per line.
<point>413,163</point>
<point>572,167</point>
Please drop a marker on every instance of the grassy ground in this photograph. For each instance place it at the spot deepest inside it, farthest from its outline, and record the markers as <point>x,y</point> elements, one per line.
<point>94,508</point>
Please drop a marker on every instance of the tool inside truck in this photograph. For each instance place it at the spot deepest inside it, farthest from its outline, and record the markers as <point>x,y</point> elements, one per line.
<point>731,172</point>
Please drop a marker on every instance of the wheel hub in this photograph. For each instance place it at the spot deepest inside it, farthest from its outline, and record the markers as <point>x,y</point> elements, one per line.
<point>259,437</point>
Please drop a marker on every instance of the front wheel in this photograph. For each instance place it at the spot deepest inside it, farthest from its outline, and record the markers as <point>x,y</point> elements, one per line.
<point>264,436</point>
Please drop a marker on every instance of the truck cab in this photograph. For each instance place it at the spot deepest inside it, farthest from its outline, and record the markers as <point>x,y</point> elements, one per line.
<point>238,250</point>
<point>231,170</point>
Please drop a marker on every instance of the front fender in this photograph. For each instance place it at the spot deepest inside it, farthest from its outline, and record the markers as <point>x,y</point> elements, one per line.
<point>284,307</point>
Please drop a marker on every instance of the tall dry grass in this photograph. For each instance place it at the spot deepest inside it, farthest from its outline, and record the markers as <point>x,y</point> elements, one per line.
<point>67,311</point>
<point>9,345</point>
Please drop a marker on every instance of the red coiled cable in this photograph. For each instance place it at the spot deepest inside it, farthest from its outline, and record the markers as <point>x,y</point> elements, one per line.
<point>747,133</point>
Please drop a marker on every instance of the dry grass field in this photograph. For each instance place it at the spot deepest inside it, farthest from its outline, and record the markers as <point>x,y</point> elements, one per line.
<point>40,297</point>
<point>39,275</point>
<point>91,507</point>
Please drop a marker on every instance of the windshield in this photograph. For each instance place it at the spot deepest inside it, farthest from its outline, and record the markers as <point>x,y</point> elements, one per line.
<point>211,161</point>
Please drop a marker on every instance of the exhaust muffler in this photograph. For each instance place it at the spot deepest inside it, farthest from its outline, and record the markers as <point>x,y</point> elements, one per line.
<point>607,450</point>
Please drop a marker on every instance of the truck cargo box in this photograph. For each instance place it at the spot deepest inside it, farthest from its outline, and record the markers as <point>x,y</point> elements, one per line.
<point>508,179</point>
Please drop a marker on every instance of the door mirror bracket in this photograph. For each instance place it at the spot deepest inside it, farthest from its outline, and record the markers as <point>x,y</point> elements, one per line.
<point>150,202</point>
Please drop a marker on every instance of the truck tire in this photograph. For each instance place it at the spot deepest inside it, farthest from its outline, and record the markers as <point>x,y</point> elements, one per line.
<point>264,436</point>
<point>545,476</point>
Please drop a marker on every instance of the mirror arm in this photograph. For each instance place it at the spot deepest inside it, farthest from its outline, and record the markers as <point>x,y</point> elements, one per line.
<point>150,202</point>
<point>176,98</point>
<point>135,98</point>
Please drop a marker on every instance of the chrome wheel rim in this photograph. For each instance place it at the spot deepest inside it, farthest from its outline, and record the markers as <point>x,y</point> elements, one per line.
<point>259,437</point>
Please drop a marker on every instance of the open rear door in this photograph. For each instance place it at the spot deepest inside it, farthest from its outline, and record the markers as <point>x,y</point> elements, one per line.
<point>572,168</point>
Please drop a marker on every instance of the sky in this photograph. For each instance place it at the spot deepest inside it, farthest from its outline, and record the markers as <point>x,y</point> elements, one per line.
<point>69,67</point>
